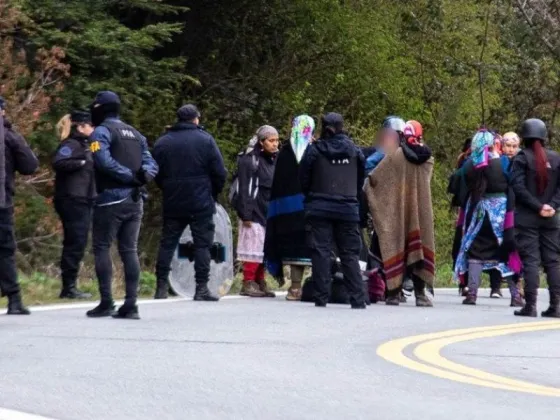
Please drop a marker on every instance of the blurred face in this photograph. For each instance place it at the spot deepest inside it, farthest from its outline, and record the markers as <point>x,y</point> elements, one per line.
<point>270,145</point>
<point>388,140</point>
<point>510,147</point>
<point>85,129</point>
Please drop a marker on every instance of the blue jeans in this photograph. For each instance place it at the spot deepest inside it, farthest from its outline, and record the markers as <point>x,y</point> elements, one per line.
<point>122,222</point>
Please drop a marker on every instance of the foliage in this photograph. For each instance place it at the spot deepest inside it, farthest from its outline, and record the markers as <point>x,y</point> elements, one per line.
<point>451,64</point>
<point>29,81</point>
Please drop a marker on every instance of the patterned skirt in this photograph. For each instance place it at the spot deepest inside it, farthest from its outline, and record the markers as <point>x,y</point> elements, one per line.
<point>487,220</point>
<point>250,243</point>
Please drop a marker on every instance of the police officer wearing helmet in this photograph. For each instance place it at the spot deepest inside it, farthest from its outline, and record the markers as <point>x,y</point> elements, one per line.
<point>191,176</point>
<point>535,182</point>
<point>74,195</point>
<point>18,157</point>
<point>123,166</point>
<point>332,175</point>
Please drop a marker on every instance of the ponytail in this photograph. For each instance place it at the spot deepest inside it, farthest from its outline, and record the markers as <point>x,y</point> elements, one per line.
<point>64,127</point>
<point>541,162</point>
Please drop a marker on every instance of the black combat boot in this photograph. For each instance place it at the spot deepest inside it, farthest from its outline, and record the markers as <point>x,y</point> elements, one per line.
<point>530,308</point>
<point>128,311</point>
<point>15,305</point>
<point>104,309</point>
<point>162,289</point>
<point>553,310</point>
<point>70,291</point>
<point>74,294</point>
<point>203,294</point>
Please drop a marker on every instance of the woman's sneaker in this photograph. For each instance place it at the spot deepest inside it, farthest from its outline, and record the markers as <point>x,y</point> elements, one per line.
<point>496,294</point>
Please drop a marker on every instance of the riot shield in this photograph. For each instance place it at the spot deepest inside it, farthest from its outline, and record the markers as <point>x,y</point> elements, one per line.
<point>182,276</point>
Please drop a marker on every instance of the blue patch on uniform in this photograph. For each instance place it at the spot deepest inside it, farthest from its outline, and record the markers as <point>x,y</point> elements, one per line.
<point>65,151</point>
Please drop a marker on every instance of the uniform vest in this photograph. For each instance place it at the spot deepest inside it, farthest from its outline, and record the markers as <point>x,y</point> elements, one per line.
<point>335,176</point>
<point>126,149</point>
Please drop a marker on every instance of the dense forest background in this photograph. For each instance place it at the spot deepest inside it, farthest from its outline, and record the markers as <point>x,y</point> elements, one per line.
<point>454,65</point>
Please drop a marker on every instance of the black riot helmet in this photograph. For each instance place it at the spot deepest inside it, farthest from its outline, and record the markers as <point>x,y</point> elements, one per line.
<point>534,129</point>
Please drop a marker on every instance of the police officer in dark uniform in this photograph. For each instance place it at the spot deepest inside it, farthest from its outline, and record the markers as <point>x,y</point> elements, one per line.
<point>191,176</point>
<point>535,182</point>
<point>332,176</point>
<point>123,166</point>
<point>74,196</point>
<point>19,157</point>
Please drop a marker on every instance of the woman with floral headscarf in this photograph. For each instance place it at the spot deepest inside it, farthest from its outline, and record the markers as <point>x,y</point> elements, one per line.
<point>255,173</point>
<point>510,144</point>
<point>285,242</point>
<point>485,225</point>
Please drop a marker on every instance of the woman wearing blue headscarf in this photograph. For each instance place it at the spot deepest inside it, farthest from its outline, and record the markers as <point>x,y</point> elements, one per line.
<point>485,224</point>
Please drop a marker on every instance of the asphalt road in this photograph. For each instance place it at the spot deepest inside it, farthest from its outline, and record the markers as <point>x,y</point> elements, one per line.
<point>272,359</point>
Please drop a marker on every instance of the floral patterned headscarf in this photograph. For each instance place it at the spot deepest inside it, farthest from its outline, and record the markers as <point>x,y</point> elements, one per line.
<point>302,134</point>
<point>482,141</point>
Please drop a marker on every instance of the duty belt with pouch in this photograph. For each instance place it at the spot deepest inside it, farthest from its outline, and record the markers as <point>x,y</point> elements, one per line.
<point>138,193</point>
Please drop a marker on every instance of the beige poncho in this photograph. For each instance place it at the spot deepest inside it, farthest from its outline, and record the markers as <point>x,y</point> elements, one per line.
<point>400,201</point>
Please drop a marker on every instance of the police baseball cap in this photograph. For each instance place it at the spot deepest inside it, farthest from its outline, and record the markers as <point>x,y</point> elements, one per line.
<point>106,97</point>
<point>188,112</point>
<point>332,119</point>
<point>80,117</point>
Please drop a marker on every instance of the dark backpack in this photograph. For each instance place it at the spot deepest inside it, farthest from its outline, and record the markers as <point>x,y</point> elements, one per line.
<point>233,195</point>
<point>338,293</point>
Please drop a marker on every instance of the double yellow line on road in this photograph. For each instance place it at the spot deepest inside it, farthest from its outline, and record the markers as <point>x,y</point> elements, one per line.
<point>427,349</point>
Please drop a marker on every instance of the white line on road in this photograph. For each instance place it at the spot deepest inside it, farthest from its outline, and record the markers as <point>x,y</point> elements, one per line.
<point>18,415</point>
<point>85,305</point>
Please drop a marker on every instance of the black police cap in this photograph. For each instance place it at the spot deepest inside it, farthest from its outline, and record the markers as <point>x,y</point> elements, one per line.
<point>332,119</point>
<point>80,117</point>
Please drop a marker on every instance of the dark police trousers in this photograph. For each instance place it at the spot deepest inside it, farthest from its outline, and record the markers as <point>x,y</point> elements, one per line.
<point>538,245</point>
<point>8,274</point>
<point>75,216</point>
<point>202,229</point>
<point>326,236</point>
<point>122,222</point>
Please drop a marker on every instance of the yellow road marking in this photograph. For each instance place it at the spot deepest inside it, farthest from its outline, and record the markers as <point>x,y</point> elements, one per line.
<point>430,346</point>
<point>429,352</point>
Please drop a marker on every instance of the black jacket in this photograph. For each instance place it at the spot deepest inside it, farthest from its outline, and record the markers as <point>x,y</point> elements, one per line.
<point>191,171</point>
<point>255,174</point>
<point>285,228</point>
<point>19,157</point>
<point>73,164</point>
<point>337,207</point>
<point>528,203</point>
